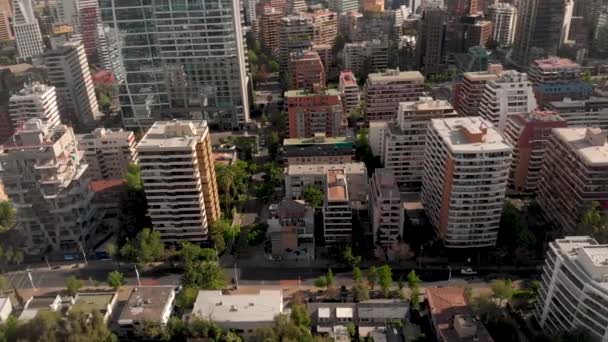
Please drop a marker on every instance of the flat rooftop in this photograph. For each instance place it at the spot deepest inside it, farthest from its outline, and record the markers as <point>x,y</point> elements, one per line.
<point>391,76</point>
<point>386,183</point>
<point>569,244</point>
<point>318,141</point>
<point>41,302</point>
<point>306,92</point>
<point>570,103</point>
<point>336,186</point>
<point>321,169</point>
<point>590,144</point>
<point>146,303</point>
<point>347,78</point>
<point>470,134</point>
<point>555,62</point>
<point>425,105</point>
<point>87,302</point>
<point>480,76</point>
<point>173,134</point>
<point>219,307</point>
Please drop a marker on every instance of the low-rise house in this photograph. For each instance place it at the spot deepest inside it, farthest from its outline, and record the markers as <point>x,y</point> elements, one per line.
<point>241,312</point>
<point>146,304</point>
<point>37,304</point>
<point>104,302</point>
<point>451,317</point>
<point>5,308</point>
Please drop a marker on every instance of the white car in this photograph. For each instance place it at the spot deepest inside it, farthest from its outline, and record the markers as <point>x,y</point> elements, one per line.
<point>467,271</point>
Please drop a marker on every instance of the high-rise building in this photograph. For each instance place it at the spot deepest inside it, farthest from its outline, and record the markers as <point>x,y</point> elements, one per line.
<point>504,18</point>
<point>373,6</point>
<point>599,44</point>
<point>337,213</point>
<point>68,70</point>
<point>529,135</point>
<point>348,22</point>
<point>295,35</point>
<point>592,112</point>
<point>384,91</point>
<point>34,101</point>
<point>306,70</point>
<point>296,6</point>
<point>107,152</point>
<point>43,175</point>
<point>509,94</point>
<point>88,18</point>
<point>403,142</point>
<point>340,6</point>
<point>469,91</point>
<point>298,176</point>
<point>181,61</point>
<point>466,165</point>
<point>385,208</point>
<point>574,294</point>
<point>325,27</point>
<point>179,179</point>
<point>542,28</point>
<point>317,111</point>
<point>430,41</point>
<point>556,78</point>
<point>109,52</point>
<point>6,32</point>
<point>349,91</point>
<point>269,22</point>
<point>476,32</point>
<point>27,30</point>
<point>574,174</point>
<point>372,55</point>
<point>319,150</point>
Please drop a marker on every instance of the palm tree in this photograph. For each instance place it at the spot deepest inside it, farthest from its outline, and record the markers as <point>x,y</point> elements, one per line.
<point>225,180</point>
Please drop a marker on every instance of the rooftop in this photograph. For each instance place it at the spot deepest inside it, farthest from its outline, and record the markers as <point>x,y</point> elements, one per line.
<point>386,183</point>
<point>336,185</point>
<point>589,143</point>
<point>42,302</point>
<point>105,133</point>
<point>347,78</point>
<point>555,62</point>
<point>425,104</point>
<point>306,92</point>
<point>146,303</point>
<point>17,68</point>
<point>570,103</point>
<point>220,307</point>
<point>591,257</point>
<point>173,134</point>
<point>349,168</point>
<point>394,76</point>
<point>88,302</point>
<point>470,134</point>
<point>292,209</point>
<point>34,88</point>
<point>318,140</point>
<point>106,184</point>
<point>4,301</point>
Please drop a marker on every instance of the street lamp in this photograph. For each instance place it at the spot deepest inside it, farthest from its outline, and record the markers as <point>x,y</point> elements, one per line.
<point>449,274</point>
<point>420,256</point>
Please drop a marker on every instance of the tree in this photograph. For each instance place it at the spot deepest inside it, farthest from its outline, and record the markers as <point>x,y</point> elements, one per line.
<point>146,248</point>
<point>385,279</point>
<point>313,195</point>
<point>413,282</point>
<point>586,76</point>
<point>274,143</point>
<point>372,277</point>
<point>299,315</point>
<point>349,258</point>
<point>360,292</point>
<point>133,177</point>
<point>113,252</point>
<point>321,281</point>
<point>190,253</point>
<point>208,275</point>
<point>594,222</point>
<point>3,284</point>
<point>363,152</point>
<point>226,177</point>
<point>502,289</point>
<point>134,206</point>
<point>186,298</point>
<point>73,284</point>
<point>115,280</point>
<point>284,329</point>
<point>357,276</point>
<point>201,328</point>
<point>7,216</point>
<point>329,277</point>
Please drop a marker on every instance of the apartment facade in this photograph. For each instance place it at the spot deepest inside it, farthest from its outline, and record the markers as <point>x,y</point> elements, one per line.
<point>269,21</point>
<point>556,78</point>
<point>386,208</point>
<point>469,91</point>
<point>107,152</point>
<point>574,174</point>
<point>349,91</point>
<point>295,35</point>
<point>68,70</point>
<point>44,176</point>
<point>466,165</point>
<point>592,112</point>
<point>373,54</point>
<point>573,292</point>
<point>319,150</point>
<point>306,70</point>
<point>504,18</point>
<point>431,40</point>
<point>34,101</point>
<point>319,111</point>
<point>529,135</point>
<point>179,179</point>
<point>337,213</point>
<point>27,30</point>
<point>384,91</point>
<point>509,94</point>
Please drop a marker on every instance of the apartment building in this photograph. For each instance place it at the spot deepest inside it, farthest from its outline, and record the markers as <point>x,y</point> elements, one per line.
<point>5,27</point>
<point>349,91</point>
<point>385,208</point>
<point>555,78</point>
<point>373,6</point>
<point>574,288</point>
<point>509,94</point>
<point>477,32</point>
<point>469,91</point>
<point>107,152</point>
<point>504,19</point>
<point>466,165</point>
<point>367,54</point>
<point>340,6</point>
<point>403,142</point>
<point>292,227</point>
<point>68,70</point>
<point>574,174</point>
<point>319,111</point>
<point>337,213</point>
<point>109,52</point>
<point>306,70</point>
<point>43,175</point>
<point>430,41</point>
<point>179,179</point>
<point>295,35</point>
<point>27,30</point>
<point>34,101</point>
<point>269,21</point>
<point>529,135</point>
<point>325,27</point>
<point>348,22</point>
<point>319,150</point>
<point>384,91</point>
<point>592,112</point>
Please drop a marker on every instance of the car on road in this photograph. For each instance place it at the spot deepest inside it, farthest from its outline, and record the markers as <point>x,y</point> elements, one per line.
<point>467,271</point>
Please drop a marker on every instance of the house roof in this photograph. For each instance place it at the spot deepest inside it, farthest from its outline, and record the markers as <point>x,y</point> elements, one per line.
<point>219,307</point>
<point>146,303</point>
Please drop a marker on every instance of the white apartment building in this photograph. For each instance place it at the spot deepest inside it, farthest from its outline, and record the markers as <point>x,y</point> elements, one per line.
<point>404,140</point>
<point>27,30</point>
<point>68,70</point>
<point>386,208</point>
<point>374,52</point>
<point>574,291</point>
<point>592,112</point>
<point>509,94</point>
<point>107,152</point>
<point>349,91</point>
<point>34,101</point>
<point>376,137</point>
<point>179,179</point>
<point>504,21</point>
<point>466,165</point>
<point>337,213</point>
<point>43,175</point>
<point>109,52</point>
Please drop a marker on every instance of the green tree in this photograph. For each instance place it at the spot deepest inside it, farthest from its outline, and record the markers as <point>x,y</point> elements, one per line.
<point>73,284</point>
<point>115,280</point>
<point>186,298</point>
<point>313,195</point>
<point>594,222</point>
<point>299,315</point>
<point>385,279</point>
<point>113,252</point>
<point>208,275</point>
<point>330,278</point>
<point>274,66</point>
<point>321,281</point>
<point>372,277</point>
<point>349,258</point>
<point>7,216</point>
<point>85,326</point>
<point>502,290</point>
<point>274,143</point>
<point>357,276</point>
<point>586,76</point>
<point>413,283</point>
<point>3,284</point>
<point>134,206</point>
<point>360,292</point>
<point>190,253</point>
<point>226,178</point>
<point>514,232</point>
<point>133,177</point>
<point>201,328</point>
<point>363,152</point>
<point>400,283</point>
<point>284,329</point>
<point>146,248</point>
